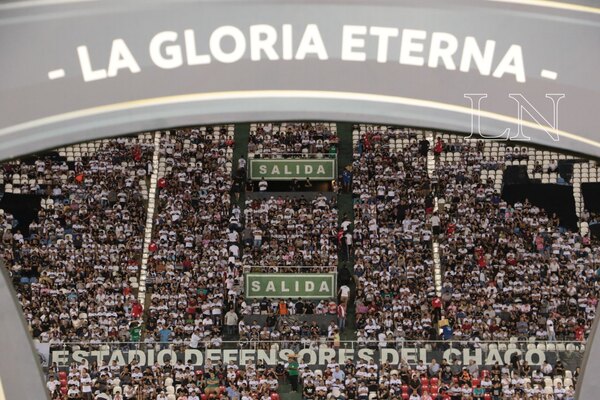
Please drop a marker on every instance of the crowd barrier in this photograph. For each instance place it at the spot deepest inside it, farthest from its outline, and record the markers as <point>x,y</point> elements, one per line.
<point>319,353</point>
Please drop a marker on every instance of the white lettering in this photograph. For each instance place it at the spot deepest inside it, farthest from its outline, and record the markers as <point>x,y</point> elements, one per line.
<point>161,357</point>
<point>445,52</point>
<point>365,354</point>
<point>262,39</point>
<point>121,58</point>
<point>311,43</point>
<point>89,74</point>
<point>408,47</point>
<point>511,63</point>
<point>117,355</point>
<point>195,356</point>
<point>193,58</point>
<point>383,37</point>
<point>286,42</point>
<point>541,357</point>
<point>472,52</point>
<point>174,58</point>
<point>324,288</point>
<point>239,47</point>
<point>389,356</point>
<point>350,43</point>
<point>309,286</point>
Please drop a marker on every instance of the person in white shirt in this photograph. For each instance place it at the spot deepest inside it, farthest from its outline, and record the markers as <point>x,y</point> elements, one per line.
<point>263,185</point>
<point>195,339</point>
<point>344,293</point>
<point>559,392</point>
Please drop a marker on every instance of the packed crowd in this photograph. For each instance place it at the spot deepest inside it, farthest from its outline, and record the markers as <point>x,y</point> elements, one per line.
<point>510,270</point>
<point>288,232</point>
<point>289,333</point>
<point>276,140</point>
<point>438,381</point>
<point>75,267</point>
<point>174,380</point>
<point>391,237</point>
<point>360,380</point>
<point>194,267</point>
<point>274,306</point>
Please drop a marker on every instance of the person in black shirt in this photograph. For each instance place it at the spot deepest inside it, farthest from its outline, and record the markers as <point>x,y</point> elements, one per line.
<point>351,391</point>
<point>307,184</point>
<point>372,380</point>
<point>309,391</point>
<point>294,185</point>
<point>349,368</point>
<point>309,308</point>
<point>299,307</point>
<point>559,369</point>
<point>264,306</point>
<point>415,384</point>
<point>383,392</point>
<point>321,395</point>
<point>496,391</point>
<point>446,375</point>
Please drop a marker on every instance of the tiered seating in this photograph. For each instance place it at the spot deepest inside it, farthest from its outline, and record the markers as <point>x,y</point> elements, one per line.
<point>393,260</point>
<point>193,267</point>
<point>490,249</point>
<point>291,231</point>
<point>173,381</point>
<point>76,269</point>
<point>441,381</point>
<point>285,139</point>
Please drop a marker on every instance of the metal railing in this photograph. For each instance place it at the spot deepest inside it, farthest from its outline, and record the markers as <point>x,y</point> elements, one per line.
<point>551,346</point>
<point>292,155</point>
<point>322,352</point>
<point>290,268</point>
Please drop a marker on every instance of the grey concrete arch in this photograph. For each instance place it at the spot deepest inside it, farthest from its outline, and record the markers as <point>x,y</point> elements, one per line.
<point>76,70</point>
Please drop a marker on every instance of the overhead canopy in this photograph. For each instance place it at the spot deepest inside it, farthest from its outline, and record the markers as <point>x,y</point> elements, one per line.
<point>76,70</point>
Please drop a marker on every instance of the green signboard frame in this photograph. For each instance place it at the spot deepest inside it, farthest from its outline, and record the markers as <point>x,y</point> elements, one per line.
<point>293,169</point>
<point>295,283</point>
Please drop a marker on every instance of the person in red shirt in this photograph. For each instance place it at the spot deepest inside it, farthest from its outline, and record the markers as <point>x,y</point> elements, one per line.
<point>439,147</point>
<point>136,310</point>
<point>580,333</point>
<point>450,229</point>
<point>137,153</point>
<point>436,303</point>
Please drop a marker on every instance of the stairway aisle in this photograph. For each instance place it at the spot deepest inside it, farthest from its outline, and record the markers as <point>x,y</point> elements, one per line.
<point>346,211</point>
<point>437,268</point>
<point>157,172</point>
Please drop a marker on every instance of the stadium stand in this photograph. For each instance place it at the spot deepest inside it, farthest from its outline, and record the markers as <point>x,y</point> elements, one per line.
<point>511,270</point>
<point>427,206</point>
<point>194,265</point>
<point>283,140</point>
<point>76,264</point>
<point>291,232</point>
<point>392,239</point>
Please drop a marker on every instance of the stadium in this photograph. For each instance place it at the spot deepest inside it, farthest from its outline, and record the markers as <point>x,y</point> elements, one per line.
<point>299,200</point>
